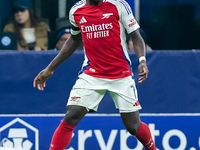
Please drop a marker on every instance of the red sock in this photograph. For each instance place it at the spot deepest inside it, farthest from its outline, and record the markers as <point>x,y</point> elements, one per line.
<point>62,136</point>
<point>144,136</point>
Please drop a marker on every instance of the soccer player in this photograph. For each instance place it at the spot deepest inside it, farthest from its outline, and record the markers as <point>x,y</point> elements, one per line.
<point>101,25</point>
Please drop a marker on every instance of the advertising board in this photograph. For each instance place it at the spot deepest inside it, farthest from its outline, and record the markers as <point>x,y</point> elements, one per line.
<point>99,132</point>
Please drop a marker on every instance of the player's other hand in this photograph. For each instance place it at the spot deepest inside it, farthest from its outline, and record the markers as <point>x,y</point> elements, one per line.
<point>40,79</point>
<point>143,71</point>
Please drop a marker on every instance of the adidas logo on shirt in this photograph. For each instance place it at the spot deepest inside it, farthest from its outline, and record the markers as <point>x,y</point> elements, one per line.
<point>83,20</point>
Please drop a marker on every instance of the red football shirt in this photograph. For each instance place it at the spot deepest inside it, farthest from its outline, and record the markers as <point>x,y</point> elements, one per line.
<point>103,32</point>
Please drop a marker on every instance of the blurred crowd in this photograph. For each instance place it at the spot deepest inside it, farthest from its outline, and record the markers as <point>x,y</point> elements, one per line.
<point>34,33</point>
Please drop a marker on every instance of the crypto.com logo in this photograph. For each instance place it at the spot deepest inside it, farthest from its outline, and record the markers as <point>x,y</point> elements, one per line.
<point>17,137</point>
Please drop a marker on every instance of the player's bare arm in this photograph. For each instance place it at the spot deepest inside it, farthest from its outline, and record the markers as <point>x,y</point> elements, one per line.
<point>139,48</point>
<point>67,50</point>
<point>143,71</point>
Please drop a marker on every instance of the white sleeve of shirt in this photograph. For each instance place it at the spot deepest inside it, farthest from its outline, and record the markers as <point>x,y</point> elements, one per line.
<point>126,17</point>
<point>73,23</point>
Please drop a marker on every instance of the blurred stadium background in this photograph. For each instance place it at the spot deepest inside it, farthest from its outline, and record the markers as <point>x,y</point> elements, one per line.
<point>169,24</point>
<point>170,96</point>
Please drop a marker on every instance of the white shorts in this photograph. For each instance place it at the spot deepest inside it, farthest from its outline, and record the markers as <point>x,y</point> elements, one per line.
<point>88,92</point>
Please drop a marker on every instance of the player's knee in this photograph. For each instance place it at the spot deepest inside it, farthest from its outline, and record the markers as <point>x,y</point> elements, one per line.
<point>69,116</point>
<point>72,119</point>
<point>74,115</point>
<point>133,129</point>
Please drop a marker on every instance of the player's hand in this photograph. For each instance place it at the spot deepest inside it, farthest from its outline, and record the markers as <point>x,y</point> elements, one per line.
<point>143,71</point>
<point>40,79</point>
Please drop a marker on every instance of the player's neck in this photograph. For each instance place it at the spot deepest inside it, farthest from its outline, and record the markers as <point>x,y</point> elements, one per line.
<point>94,2</point>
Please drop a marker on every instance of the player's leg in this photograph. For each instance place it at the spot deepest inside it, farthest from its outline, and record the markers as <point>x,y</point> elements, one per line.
<point>124,94</point>
<point>139,129</point>
<point>63,134</point>
<point>85,95</point>
<point>131,121</point>
<point>80,101</point>
<point>74,114</point>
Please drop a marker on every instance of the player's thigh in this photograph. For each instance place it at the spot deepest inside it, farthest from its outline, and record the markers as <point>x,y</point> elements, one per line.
<point>124,95</point>
<point>131,121</point>
<point>88,98</point>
